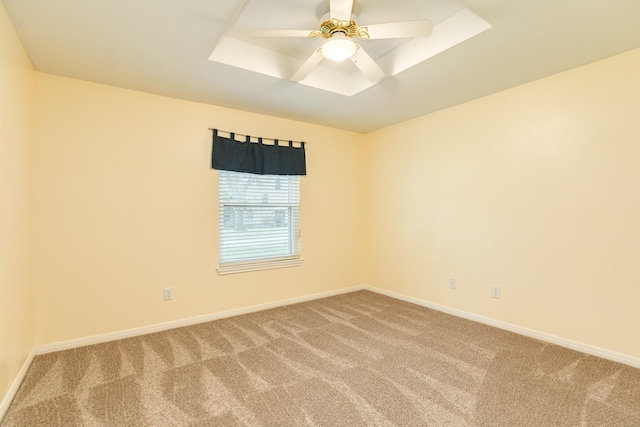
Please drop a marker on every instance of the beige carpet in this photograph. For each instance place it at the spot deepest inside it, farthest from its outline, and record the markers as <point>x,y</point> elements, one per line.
<point>359,359</point>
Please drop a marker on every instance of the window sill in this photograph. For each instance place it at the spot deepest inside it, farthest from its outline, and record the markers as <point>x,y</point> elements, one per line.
<point>243,267</point>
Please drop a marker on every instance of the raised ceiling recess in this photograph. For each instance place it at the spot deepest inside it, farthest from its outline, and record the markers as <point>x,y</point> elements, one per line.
<point>342,46</point>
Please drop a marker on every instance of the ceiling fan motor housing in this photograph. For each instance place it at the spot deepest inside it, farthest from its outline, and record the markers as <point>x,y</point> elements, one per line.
<point>348,28</point>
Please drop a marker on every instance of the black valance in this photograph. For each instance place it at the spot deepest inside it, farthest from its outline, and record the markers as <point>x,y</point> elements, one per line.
<point>262,159</point>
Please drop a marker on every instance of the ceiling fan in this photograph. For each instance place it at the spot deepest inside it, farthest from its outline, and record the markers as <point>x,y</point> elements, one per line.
<point>339,31</point>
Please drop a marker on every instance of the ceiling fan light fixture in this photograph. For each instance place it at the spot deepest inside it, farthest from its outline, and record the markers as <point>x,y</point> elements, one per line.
<point>338,48</point>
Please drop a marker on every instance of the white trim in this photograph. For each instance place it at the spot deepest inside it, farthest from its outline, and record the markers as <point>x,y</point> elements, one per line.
<point>11,393</point>
<point>97,339</point>
<point>242,267</point>
<point>542,336</point>
<point>112,336</point>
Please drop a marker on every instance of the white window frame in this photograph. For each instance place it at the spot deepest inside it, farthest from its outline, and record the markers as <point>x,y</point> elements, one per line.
<point>292,259</point>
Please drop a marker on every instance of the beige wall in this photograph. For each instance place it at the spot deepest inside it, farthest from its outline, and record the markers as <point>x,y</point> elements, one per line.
<point>127,205</point>
<point>16,196</point>
<point>534,189</point>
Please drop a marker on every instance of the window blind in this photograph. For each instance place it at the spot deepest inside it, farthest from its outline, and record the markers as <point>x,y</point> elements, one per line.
<point>259,217</point>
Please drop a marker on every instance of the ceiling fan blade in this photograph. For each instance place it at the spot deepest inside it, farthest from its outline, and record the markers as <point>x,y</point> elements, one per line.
<point>367,65</point>
<point>309,65</point>
<point>399,30</point>
<point>282,33</point>
<point>341,9</point>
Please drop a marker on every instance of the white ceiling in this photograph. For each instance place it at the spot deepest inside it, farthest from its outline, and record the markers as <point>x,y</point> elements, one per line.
<point>282,57</point>
<point>163,46</point>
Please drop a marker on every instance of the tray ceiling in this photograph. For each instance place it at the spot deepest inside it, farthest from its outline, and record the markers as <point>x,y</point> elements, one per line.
<point>163,47</point>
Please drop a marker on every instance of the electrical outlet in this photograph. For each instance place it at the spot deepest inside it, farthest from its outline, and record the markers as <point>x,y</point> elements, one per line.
<point>168,294</point>
<point>496,292</point>
<point>452,283</point>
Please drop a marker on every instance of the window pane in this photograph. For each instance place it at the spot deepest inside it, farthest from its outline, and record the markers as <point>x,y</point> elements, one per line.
<point>259,216</point>
<point>238,187</point>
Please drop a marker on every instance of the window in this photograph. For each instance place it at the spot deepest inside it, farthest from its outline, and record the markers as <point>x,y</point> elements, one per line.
<point>259,221</point>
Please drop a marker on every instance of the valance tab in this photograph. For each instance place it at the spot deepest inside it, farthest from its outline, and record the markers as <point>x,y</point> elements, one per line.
<point>258,158</point>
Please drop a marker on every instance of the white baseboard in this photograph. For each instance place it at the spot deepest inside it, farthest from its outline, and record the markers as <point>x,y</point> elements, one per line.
<point>542,336</point>
<point>11,393</point>
<point>112,336</point>
<point>97,339</point>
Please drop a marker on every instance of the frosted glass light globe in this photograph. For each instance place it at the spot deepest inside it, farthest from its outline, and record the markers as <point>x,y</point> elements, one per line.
<point>338,48</point>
